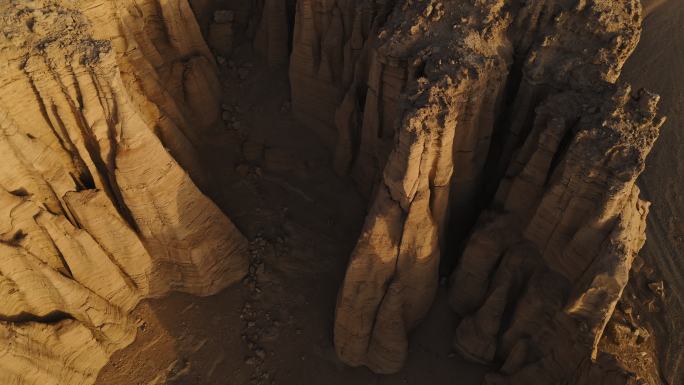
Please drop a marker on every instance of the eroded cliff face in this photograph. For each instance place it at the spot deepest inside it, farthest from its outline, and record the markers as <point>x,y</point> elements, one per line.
<point>498,125</point>
<point>100,103</point>
<point>439,106</point>
<point>542,273</point>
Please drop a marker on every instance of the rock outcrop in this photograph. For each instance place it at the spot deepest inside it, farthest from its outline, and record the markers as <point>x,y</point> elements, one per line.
<point>100,106</point>
<point>509,102</point>
<point>272,37</point>
<point>501,125</point>
<point>330,56</point>
<point>542,273</point>
<point>393,272</point>
<point>265,24</point>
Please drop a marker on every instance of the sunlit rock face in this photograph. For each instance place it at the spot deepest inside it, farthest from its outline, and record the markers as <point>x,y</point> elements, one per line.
<point>100,105</point>
<point>437,106</point>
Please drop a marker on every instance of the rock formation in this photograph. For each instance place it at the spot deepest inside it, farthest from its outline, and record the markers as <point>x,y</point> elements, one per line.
<point>461,98</point>
<point>101,103</point>
<point>501,125</point>
<point>393,272</point>
<point>542,273</point>
<point>328,41</point>
<point>273,33</point>
<point>265,24</point>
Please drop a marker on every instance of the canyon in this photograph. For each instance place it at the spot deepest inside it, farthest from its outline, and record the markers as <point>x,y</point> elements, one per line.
<point>338,191</point>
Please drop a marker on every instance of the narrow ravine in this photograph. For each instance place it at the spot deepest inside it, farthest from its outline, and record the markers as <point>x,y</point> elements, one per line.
<point>302,220</point>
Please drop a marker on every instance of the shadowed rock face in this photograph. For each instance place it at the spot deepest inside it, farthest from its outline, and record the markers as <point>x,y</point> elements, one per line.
<point>440,104</point>
<point>98,113</point>
<point>542,272</point>
<point>437,109</point>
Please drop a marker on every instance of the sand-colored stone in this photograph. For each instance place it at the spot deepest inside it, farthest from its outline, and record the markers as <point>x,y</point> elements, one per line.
<point>509,115</point>
<point>566,220</point>
<point>393,273</point>
<point>99,108</point>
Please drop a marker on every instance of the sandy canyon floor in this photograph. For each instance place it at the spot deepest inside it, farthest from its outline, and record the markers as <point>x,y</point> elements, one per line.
<point>302,221</point>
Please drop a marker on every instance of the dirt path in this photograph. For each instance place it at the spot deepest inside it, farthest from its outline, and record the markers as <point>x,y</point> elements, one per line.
<point>302,221</point>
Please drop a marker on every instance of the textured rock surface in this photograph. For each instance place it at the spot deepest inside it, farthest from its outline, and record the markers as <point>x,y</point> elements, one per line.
<point>459,97</point>
<point>273,32</point>
<point>330,56</point>
<point>393,273</point>
<point>508,115</point>
<point>96,125</point>
<point>265,24</point>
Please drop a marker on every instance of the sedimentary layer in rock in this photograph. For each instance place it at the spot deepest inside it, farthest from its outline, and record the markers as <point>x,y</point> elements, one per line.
<point>330,58</point>
<point>489,91</point>
<point>97,211</point>
<point>541,274</point>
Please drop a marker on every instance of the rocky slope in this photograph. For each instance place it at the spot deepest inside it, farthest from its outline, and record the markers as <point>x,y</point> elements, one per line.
<point>99,105</point>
